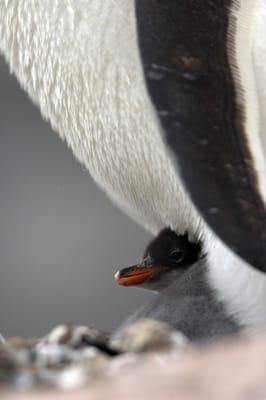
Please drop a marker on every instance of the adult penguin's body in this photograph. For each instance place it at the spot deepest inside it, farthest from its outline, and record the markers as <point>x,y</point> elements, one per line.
<point>80,62</point>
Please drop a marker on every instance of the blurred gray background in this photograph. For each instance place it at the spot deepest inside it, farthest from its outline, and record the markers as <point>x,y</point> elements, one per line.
<point>61,239</point>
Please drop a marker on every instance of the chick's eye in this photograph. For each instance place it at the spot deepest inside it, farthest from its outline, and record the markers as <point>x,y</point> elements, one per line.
<point>177,255</point>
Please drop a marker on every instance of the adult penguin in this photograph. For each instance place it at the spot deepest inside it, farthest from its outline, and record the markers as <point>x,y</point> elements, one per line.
<point>80,62</point>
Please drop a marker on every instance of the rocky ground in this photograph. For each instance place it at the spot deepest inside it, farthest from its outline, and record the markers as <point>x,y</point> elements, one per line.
<point>147,361</point>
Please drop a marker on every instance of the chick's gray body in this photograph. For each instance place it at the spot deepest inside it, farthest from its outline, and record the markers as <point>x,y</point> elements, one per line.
<point>190,306</point>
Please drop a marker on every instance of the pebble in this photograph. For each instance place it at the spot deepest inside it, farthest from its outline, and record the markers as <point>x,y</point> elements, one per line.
<point>147,335</point>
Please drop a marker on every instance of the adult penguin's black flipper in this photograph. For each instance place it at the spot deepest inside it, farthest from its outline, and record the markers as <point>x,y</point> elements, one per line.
<point>198,60</point>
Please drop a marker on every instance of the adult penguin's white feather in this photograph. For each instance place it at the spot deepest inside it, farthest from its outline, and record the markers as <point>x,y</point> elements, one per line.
<point>79,62</point>
<point>246,39</point>
<point>259,65</point>
<point>241,289</point>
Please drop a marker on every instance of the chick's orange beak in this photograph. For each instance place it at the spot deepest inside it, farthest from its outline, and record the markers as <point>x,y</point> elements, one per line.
<point>137,275</point>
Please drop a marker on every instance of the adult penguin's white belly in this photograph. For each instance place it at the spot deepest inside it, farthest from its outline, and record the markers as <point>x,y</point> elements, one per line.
<point>79,61</point>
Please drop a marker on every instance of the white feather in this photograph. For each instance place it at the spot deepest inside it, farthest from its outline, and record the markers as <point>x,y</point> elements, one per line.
<point>245,38</point>
<point>79,62</point>
<point>241,288</point>
<point>259,64</point>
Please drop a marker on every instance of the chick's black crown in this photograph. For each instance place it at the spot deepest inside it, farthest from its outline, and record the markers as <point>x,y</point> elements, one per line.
<point>173,250</point>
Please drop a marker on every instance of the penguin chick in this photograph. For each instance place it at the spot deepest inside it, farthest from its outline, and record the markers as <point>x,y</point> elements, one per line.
<point>187,299</point>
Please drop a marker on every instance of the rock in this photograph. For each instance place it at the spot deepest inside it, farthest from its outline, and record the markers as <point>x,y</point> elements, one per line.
<point>148,335</point>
